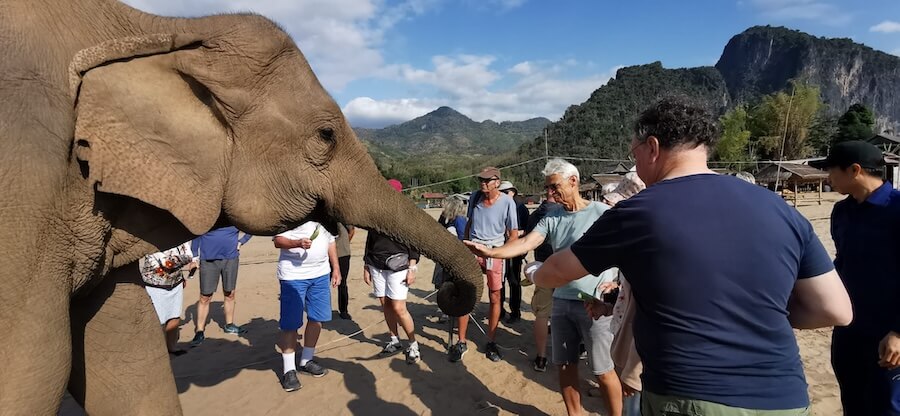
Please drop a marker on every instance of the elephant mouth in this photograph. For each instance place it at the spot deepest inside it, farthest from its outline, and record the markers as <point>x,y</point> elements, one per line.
<point>322,215</point>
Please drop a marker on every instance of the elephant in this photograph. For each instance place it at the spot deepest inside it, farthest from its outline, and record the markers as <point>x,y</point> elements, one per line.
<point>126,133</point>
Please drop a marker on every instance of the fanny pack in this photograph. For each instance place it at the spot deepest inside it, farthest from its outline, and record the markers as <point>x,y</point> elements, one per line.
<point>397,262</point>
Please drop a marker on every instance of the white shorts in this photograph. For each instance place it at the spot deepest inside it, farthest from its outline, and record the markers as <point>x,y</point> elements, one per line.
<point>389,283</point>
<point>167,302</point>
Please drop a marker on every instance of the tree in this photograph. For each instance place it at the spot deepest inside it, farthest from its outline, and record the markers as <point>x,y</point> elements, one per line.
<point>856,124</point>
<point>822,133</point>
<point>732,146</point>
<point>780,123</point>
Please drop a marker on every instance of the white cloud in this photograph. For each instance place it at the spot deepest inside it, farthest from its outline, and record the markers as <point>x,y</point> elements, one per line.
<point>818,10</point>
<point>886,26</point>
<point>340,38</point>
<point>468,85</point>
<point>368,112</point>
<point>521,68</point>
<point>508,4</point>
<point>460,76</point>
<point>896,52</point>
<point>494,5</point>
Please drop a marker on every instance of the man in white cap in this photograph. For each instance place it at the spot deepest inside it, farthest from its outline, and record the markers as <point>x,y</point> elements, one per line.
<point>571,325</point>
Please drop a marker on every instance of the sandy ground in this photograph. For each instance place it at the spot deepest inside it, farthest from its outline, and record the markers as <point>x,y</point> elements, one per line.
<point>239,375</point>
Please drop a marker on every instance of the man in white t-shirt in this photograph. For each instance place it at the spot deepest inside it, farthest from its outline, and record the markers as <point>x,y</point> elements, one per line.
<point>307,270</point>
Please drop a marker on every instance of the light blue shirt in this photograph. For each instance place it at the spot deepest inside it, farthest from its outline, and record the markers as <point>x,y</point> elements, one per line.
<point>561,229</point>
<point>490,223</point>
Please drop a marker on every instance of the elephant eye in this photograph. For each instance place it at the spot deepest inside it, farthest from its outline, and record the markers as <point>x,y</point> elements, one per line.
<point>326,134</point>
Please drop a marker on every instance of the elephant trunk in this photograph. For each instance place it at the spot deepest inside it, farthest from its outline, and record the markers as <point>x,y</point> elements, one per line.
<point>372,204</point>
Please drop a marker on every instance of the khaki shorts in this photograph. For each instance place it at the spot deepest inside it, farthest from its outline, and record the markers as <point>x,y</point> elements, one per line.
<point>661,405</point>
<point>542,302</point>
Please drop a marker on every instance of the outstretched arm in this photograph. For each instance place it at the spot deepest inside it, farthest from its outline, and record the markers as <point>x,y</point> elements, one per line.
<point>513,248</point>
<point>561,268</point>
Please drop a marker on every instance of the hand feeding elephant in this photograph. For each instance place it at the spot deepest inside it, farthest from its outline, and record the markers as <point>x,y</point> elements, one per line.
<point>125,133</point>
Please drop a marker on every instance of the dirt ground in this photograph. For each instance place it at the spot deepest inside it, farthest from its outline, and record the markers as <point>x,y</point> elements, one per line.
<point>239,375</point>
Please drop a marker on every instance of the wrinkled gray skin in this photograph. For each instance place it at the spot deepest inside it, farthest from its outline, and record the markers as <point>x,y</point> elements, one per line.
<point>125,133</point>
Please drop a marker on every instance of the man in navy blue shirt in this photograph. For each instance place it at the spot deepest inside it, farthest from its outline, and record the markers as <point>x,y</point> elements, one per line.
<point>866,232</point>
<point>720,271</point>
<point>219,251</point>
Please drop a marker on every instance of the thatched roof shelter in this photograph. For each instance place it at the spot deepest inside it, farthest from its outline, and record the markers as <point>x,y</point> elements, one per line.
<point>791,175</point>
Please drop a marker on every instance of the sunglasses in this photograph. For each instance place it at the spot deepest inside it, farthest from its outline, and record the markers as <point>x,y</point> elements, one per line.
<point>553,187</point>
<point>483,180</point>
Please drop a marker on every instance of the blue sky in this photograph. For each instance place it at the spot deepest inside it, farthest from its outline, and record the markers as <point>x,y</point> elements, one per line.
<point>388,61</point>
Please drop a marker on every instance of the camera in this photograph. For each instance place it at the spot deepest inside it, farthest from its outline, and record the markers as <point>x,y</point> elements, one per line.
<point>610,297</point>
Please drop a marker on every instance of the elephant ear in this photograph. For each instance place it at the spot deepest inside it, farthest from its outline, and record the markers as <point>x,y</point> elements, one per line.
<point>146,129</point>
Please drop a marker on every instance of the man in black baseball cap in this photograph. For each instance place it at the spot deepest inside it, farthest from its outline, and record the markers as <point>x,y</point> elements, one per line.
<point>866,232</point>
<point>846,154</point>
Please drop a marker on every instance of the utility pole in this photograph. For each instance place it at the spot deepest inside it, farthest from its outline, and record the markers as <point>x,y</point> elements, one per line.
<point>546,148</point>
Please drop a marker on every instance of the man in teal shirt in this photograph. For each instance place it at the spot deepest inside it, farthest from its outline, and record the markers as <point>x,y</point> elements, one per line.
<point>561,227</point>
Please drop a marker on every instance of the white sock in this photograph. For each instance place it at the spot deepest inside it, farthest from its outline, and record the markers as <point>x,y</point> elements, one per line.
<point>394,339</point>
<point>289,363</point>
<point>307,355</point>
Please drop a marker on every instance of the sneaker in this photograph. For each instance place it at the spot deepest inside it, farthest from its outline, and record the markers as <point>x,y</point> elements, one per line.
<point>503,314</point>
<point>345,316</point>
<point>492,352</point>
<point>233,329</point>
<point>177,353</point>
<point>513,319</point>
<point>582,352</point>
<point>290,382</point>
<point>313,368</point>
<point>412,355</point>
<point>391,349</point>
<point>458,351</point>
<point>198,339</point>
<point>540,364</point>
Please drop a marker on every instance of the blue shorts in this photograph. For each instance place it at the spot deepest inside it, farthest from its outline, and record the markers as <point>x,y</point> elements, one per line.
<point>310,295</point>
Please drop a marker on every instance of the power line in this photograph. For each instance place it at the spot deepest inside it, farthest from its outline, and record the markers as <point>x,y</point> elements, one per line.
<point>472,176</point>
<point>578,158</point>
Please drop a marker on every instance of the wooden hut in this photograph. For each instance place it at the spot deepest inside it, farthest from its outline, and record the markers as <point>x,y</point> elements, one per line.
<point>434,199</point>
<point>887,142</point>
<point>890,146</point>
<point>789,177</point>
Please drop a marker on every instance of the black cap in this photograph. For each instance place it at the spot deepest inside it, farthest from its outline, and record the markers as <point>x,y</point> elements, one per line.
<point>844,154</point>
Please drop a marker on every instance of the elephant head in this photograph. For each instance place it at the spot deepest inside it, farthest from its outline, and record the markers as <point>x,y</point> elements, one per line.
<point>221,119</point>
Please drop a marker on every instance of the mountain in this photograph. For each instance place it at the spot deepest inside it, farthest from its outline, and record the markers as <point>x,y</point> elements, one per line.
<point>759,61</point>
<point>756,62</point>
<point>444,144</point>
<point>446,130</point>
<point>602,124</point>
<point>762,60</point>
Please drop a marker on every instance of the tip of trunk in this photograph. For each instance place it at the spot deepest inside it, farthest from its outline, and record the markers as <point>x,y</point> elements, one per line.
<point>457,297</point>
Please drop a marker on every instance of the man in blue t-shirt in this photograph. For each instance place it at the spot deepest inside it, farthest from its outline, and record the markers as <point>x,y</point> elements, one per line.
<point>720,271</point>
<point>866,232</point>
<point>492,221</point>
<point>218,251</point>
